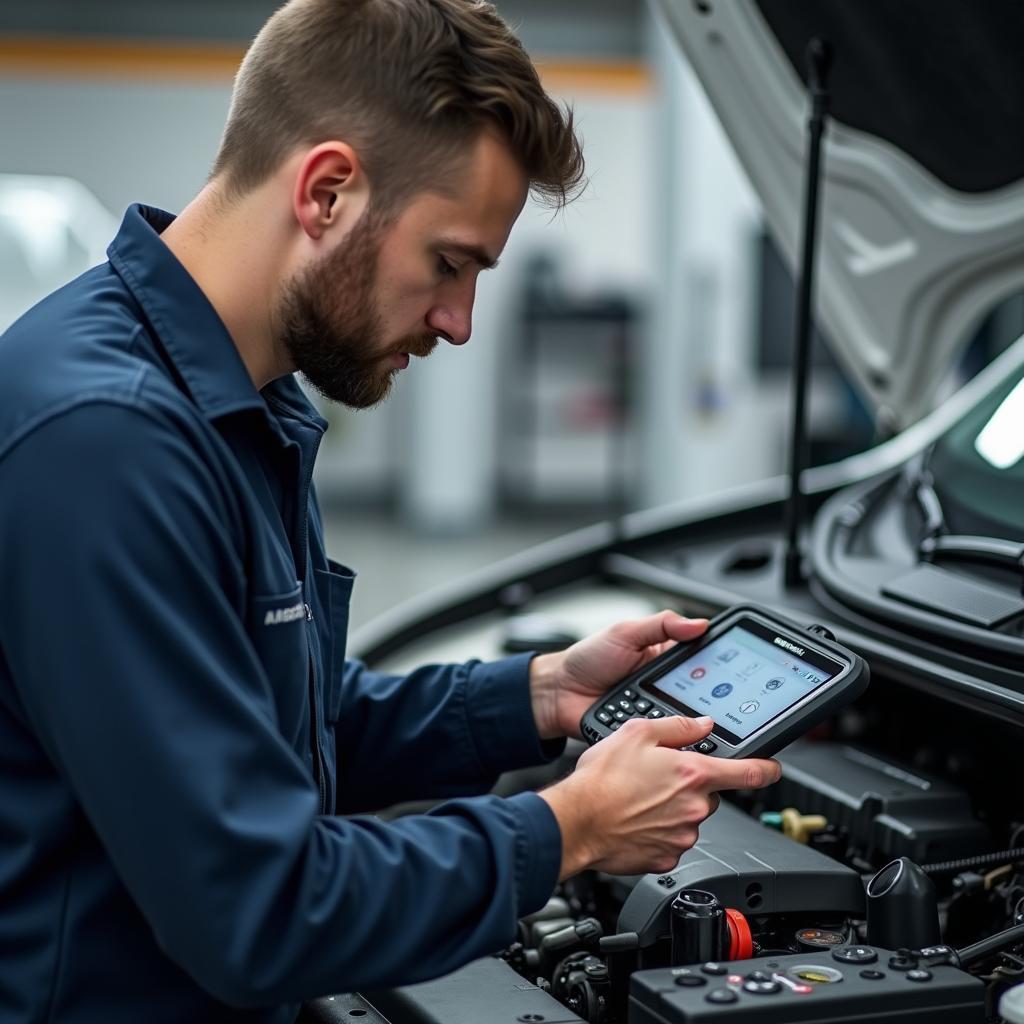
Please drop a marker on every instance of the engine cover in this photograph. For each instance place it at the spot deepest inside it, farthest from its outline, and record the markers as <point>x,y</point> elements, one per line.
<point>888,810</point>
<point>750,868</point>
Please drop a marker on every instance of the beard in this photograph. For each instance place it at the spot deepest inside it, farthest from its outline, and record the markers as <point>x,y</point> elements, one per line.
<point>329,322</point>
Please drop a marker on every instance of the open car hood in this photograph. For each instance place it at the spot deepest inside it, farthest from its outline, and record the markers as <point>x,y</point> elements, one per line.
<point>922,208</point>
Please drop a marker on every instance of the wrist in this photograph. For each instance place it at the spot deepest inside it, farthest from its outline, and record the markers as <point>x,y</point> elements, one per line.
<point>545,672</point>
<point>571,811</point>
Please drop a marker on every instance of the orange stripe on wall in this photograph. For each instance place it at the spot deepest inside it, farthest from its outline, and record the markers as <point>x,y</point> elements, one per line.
<point>74,57</point>
<point>574,76</point>
<point>111,58</point>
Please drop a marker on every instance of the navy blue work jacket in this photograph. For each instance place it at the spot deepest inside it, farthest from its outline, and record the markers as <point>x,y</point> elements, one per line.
<point>180,732</point>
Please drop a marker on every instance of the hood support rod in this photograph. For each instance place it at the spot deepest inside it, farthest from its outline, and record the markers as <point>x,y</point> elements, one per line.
<point>819,60</point>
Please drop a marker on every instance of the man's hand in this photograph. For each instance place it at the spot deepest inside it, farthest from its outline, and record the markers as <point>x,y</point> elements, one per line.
<point>635,800</point>
<point>564,685</point>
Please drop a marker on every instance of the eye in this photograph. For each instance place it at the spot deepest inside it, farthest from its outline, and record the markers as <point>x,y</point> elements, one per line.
<point>445,268</point>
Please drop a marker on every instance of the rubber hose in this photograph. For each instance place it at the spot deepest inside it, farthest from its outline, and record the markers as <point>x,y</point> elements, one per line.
<point>992,944</point>
<point>981,860</point>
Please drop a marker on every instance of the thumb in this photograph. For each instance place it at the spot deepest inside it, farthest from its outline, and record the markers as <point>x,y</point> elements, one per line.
<point>657,629</point>
<point>679,731</point>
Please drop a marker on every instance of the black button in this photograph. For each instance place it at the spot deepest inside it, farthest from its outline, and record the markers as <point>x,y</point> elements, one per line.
<point>615,725</point>
<point>758,976</point>
<point>629,694</point>
<point>721,995</point>
<point>620,716</point>
<point>872,975</point>
<point>625,705</point>
<point>854,955</point>
<point>903,963</point>
<point>919,975</point>
<point>610,708</point>
<point>713,968</point>
<point>706,746</point>
<point>690,980</point>
<point>603,716</point>
<point>658,713</point>
<point>643,706</point>
<point>762,988</point>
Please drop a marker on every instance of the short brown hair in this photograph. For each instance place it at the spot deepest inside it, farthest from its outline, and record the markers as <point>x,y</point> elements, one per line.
<point>410,83</point>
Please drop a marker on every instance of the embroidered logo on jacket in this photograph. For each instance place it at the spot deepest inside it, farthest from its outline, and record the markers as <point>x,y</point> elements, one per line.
<point>278,615</point>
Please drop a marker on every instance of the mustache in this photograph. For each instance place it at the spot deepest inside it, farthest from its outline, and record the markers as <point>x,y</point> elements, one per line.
<point>420,345</point>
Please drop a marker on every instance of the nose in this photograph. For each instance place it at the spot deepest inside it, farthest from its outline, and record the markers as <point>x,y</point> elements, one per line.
<point>453,323</point>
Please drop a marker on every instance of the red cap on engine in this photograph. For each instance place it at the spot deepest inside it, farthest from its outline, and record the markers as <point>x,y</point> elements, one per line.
<point>741,942</point>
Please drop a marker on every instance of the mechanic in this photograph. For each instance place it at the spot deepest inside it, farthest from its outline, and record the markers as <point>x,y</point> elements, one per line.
<point>182,741</point>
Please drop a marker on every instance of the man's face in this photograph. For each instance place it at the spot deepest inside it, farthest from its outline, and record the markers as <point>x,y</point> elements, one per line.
<point>389,290</point>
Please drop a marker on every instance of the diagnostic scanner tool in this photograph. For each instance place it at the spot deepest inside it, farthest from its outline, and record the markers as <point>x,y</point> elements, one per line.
<point>764,681</point>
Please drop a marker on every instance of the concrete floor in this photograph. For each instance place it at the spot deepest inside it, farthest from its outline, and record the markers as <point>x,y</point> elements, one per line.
<point>394,562</point>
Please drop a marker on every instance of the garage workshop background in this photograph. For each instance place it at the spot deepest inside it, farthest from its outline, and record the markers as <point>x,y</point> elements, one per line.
<point>631,351</point>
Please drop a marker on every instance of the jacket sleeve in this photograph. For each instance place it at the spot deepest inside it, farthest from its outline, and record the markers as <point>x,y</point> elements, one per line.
<point>442,730</point>
<point>131,666</point>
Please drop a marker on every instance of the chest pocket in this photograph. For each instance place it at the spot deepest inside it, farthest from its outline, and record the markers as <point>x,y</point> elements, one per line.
<point>277,627</point>
<point>334,588</point>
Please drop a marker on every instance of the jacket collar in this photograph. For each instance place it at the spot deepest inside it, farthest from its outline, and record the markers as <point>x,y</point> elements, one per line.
<point>189,328</point>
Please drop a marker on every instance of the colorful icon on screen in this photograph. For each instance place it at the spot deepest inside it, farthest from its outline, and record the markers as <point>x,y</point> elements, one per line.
<point>722,690</point>
<point>698,673</point>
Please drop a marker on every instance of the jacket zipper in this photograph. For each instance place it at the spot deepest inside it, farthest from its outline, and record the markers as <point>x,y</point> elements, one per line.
<point>319,770</point>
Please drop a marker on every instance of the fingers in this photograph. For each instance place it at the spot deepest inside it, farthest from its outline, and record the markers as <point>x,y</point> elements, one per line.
<point>743,773</point>
<point>657,629</point>
<point>678,731</point>
<point>718,772</point>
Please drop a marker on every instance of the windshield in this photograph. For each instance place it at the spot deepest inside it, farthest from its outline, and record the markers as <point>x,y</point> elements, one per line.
<point>978,466</point>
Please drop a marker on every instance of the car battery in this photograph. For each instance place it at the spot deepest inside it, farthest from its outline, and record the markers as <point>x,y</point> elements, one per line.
<point>856,984</point>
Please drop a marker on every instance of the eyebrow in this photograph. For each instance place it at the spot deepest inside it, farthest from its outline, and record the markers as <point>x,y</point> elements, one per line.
<point>474,252</point>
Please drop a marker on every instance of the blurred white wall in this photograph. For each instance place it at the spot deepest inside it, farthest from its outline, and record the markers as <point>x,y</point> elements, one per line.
<point>706,427</point>
<point>125,140</point>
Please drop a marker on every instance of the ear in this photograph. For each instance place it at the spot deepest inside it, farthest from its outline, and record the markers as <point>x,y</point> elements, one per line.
<point>330,188</point>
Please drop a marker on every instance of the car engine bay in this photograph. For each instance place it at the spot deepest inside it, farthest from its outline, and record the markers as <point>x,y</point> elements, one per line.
<point>881,879</point>
<point>858,866</point>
